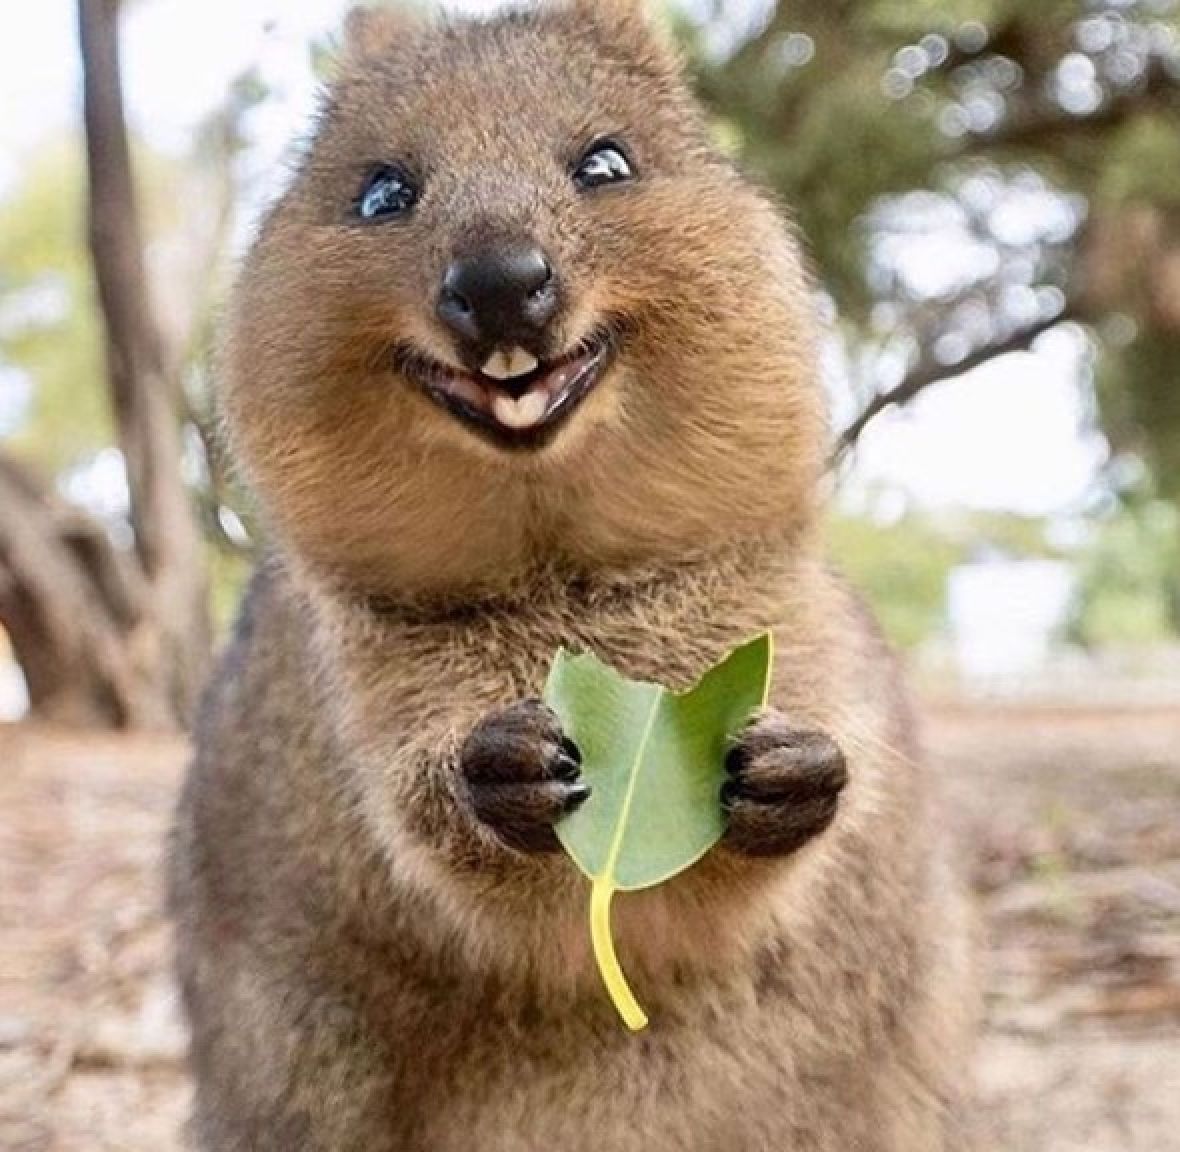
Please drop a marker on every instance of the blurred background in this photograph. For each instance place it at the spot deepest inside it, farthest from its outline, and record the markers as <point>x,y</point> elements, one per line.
<point>989,191</point>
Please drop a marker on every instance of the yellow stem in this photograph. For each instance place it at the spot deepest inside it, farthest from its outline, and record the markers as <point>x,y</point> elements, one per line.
<point>608,963</point>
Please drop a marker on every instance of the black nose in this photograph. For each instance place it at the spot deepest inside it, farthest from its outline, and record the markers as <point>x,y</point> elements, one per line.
<point>500,296</point>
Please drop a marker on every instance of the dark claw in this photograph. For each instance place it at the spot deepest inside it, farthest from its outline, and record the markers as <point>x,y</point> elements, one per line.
<point>565,766</point>
<point>577,795</point>
<point>730,791</point>
<point>735,759</point>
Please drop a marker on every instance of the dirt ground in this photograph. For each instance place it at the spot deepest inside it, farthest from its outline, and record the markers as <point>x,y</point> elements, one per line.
<point>1070,826</point>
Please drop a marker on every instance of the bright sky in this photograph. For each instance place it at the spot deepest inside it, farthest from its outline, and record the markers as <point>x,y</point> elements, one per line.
<point>1011,437</point>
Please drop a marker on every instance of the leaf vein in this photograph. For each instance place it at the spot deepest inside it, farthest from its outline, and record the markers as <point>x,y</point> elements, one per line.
<point>616,847</point>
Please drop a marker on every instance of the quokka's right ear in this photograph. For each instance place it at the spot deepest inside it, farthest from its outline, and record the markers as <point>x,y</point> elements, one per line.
<point>369,32</point>
<point>613,11</point>
<point>634,22</point>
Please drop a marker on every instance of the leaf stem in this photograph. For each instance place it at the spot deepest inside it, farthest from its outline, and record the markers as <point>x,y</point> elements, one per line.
<point>620,992</point>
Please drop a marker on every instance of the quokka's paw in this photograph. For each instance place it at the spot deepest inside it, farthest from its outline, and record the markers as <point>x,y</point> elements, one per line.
<point>522,774</point>
<point>783,789</point>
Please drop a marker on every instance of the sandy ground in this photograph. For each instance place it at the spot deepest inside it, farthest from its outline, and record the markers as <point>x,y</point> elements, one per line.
<point>1070,826</point>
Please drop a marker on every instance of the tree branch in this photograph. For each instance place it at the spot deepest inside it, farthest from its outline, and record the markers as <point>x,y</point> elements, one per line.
<point>69,644</point>
<point>115,577</point>
<point>928,372</point>
<point>145,393</point>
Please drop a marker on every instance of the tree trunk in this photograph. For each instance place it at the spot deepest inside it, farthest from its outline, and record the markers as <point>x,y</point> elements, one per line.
<point>104,636</point>
<point>67,602</point>
<point>146,399</point>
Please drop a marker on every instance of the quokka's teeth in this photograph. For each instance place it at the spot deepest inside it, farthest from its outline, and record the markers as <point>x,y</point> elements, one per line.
<point>501,365</point>
<point>520,414</point>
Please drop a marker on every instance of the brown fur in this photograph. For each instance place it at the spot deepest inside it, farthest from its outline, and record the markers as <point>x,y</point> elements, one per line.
<point>366,964</point>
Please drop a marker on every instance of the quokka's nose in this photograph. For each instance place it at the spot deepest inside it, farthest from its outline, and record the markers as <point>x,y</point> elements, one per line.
<point>499,296</point>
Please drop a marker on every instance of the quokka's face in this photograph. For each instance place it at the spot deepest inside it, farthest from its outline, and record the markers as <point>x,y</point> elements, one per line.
<point>509,244</point>
<point>492,204</point>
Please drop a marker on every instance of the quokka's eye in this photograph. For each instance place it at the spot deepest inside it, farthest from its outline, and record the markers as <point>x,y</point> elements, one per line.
<point>387,191</point>
<point>604,163</point>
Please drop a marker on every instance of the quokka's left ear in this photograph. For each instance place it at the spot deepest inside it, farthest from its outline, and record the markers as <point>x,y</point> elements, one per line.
<point>635,22</point>
<point>614,9</point>
<point>369,32</point>
<point>634,16</point>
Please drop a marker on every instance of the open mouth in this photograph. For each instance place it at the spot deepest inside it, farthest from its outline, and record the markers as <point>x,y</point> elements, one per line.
<point>515,399</point>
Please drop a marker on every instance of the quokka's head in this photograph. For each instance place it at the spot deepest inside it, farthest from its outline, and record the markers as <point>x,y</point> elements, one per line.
<point>516,309</point>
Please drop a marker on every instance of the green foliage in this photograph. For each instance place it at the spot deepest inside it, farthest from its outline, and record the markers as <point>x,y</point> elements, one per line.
<point>1141,162</point>
<point>49,321</point>
<point>903,20</point>
<point>51,329</point>
<point>1018,537</point>
<point>1130,578</point>
<point>655,760</point>
<point>228,575</point>
<point>882,150</point>
<point>823,136</point>
<point>1139,396</point>
<point>845,106</point>
<point>901,569</point>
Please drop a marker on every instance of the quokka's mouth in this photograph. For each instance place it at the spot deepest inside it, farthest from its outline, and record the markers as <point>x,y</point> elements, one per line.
<point>514,399</point>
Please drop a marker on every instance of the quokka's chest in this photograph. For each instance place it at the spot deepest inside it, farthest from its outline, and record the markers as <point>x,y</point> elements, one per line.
<point>504,653</point>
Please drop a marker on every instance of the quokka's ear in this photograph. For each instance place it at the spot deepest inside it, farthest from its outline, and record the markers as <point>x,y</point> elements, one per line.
<point>635,23</point>
<point>614,11</point>
<point>371,31</point>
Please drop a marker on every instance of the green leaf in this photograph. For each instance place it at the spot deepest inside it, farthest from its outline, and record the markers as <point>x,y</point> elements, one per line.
<point>656,762</point>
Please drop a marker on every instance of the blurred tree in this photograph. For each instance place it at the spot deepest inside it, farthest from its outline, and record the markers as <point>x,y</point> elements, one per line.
<point>902,565</point>
<point>49,329</point>
<point>1043,139</point>
<point>104,633</point>
<point>1129,588</point>
<point>968,173</point>
<point>902,568</point>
